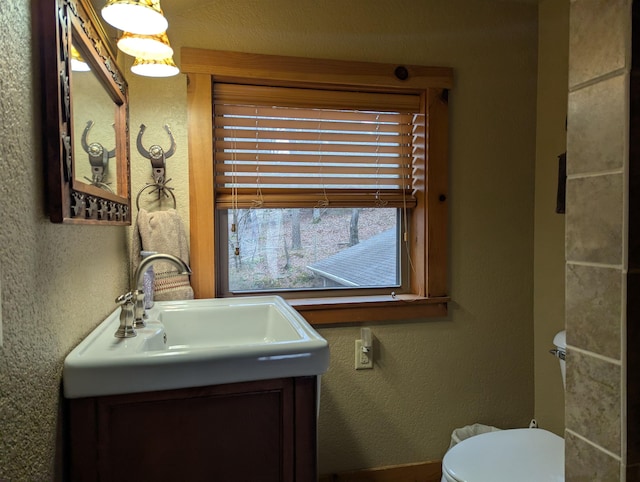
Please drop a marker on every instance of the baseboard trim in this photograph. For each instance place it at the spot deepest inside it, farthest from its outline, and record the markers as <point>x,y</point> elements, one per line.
<point>417,472</point>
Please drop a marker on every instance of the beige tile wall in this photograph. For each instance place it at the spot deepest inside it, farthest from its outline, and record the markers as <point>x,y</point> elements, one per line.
<point>595,242</point>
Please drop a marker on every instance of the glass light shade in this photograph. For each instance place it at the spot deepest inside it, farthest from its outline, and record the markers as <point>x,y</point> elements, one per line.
<point>155,67</point>
<point>77,62</point>
<point>136,16</point>
<point>79,66</point>
<point>146,46</point>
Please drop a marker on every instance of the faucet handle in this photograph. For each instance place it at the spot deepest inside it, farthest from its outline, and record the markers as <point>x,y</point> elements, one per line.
<point>126,329</point>
<point>138,309</point>
<point>122,299</point>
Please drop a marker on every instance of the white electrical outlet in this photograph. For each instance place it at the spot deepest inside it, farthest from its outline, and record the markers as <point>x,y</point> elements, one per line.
<point>364,360</point>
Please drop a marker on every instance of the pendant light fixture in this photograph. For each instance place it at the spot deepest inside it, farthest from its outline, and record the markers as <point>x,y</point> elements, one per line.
<point>155,67</point>
<point>135,16</point>
<point>146,46</point>
<point>144,35</point>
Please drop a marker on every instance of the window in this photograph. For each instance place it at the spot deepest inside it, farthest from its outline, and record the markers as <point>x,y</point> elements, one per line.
<point>328,182</point>
<point>322,181</point>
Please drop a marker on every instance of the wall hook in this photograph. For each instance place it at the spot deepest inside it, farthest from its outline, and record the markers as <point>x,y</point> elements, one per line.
<point>157,155</point>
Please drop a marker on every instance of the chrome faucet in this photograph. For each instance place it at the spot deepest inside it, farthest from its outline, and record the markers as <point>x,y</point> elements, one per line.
<point>138,280</point>
<point>133,312</point>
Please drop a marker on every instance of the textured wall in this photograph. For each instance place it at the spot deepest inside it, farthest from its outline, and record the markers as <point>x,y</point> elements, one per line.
<point>429,377</point>
<point>596,245</point>
<point>548,304</point>
<point>58,282</point>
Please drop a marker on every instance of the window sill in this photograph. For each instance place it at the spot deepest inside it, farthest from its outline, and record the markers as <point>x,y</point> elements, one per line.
<point>359,309</point>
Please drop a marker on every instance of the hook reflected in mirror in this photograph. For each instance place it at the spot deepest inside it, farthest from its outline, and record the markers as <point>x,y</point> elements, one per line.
<point>98,159</point>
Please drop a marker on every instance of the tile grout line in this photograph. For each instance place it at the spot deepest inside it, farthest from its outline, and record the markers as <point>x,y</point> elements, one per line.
<point>591,174</point>
<point>594,445</point>
<point>582,351</point>
<point>595,265</point>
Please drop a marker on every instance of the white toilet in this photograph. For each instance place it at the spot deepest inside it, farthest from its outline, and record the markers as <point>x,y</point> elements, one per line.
<point>522,455</point>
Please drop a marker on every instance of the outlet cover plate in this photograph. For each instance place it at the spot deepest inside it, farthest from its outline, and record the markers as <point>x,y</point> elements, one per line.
<point>363,361</point>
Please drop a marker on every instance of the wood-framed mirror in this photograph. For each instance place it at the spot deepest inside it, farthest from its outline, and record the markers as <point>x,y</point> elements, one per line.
<point>86,118</point>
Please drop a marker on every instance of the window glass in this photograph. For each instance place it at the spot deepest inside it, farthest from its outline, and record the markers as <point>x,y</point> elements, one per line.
<point>311,248</point>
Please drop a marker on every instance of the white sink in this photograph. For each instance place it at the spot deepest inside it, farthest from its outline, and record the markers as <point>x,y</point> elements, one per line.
<point>197,343</point>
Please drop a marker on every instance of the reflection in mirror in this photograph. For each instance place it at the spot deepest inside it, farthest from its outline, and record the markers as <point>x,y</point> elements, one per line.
<point>85,104</point>
<point>98,159</point>
<point>94,136</point>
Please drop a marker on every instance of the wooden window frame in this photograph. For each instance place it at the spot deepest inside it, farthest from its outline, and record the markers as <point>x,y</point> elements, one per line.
<point>428,222</point>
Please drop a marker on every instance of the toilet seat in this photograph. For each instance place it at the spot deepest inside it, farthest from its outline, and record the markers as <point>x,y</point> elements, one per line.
<point>523,455</point>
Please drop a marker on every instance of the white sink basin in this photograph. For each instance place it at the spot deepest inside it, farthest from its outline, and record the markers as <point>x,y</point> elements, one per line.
<point>197,343</point>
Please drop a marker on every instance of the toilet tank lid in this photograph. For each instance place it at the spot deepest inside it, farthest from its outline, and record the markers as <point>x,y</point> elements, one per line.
<point>560,340</point>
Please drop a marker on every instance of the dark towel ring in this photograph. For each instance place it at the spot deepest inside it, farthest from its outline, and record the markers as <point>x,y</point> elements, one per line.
<point>161,190</point>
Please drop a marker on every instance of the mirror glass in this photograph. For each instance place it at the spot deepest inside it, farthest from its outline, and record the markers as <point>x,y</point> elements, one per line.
<point>93,119</point>
<point>86,117</point>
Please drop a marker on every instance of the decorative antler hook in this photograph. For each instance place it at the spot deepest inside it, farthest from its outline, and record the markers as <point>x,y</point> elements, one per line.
<point>157,155</point>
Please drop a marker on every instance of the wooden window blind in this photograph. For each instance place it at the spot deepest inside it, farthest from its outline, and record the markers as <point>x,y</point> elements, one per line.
<point>295,147</point>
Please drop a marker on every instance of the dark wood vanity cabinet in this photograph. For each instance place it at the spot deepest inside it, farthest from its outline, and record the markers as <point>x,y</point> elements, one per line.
<point>259,431</point>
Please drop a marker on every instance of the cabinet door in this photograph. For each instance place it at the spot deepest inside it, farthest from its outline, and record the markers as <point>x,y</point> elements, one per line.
<point>236,432</point>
